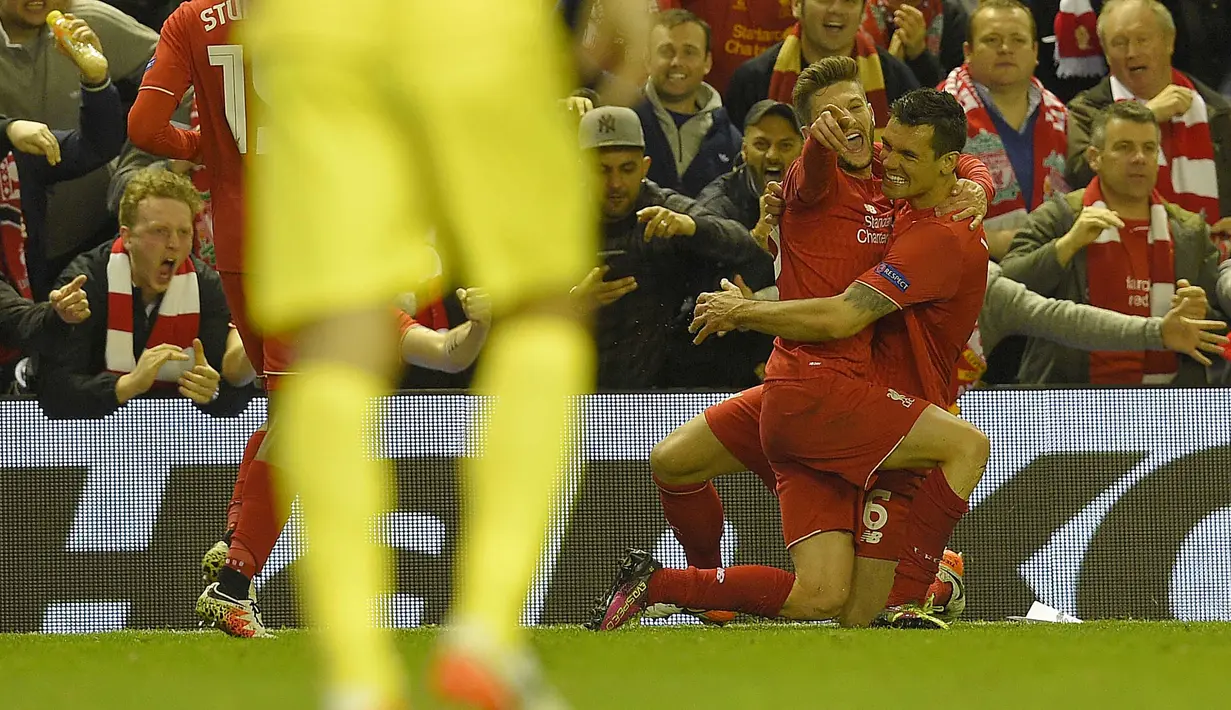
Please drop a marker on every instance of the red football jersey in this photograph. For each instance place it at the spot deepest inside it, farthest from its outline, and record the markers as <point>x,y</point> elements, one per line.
<point>196,48</point>
<point>936,271</point>
<point>834,228</point>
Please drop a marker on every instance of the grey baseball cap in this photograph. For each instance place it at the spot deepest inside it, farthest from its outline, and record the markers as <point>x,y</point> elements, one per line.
<point>610,127</point>
<point>768,106</point>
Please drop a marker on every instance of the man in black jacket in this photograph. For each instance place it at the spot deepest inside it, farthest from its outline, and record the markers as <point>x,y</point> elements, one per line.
<point>827,28</point>
<point>172,330</point>
<point>772,141</point>
<point>655,242</point>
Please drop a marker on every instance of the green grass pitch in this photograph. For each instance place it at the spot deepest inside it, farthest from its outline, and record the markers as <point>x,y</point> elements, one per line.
<point>778,667</point>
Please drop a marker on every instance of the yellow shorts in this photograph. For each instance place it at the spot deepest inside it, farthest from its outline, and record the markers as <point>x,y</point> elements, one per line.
<point>426,116</point>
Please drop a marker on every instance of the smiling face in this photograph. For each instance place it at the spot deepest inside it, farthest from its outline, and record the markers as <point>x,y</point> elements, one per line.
<point>1002,52</point>
<point>26,15</point>
<point>678,60</point>
<point>830,25</point>
<point>912,168</point>
<point>1127,162</point>
<point>158,243</point>
<point>1138,45</point>
<point>849,95</point>
<point>770,146</point>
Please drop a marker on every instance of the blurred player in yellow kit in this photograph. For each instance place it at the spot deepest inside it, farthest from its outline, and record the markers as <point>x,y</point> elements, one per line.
<point>387,118</point>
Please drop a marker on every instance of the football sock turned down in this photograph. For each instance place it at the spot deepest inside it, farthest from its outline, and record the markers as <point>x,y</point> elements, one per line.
<point>341,490</point>
<point>932,518</point>
<point>694,513</point>
<point>250,451</point>
<point>261,518</point>
<point>534,365</point>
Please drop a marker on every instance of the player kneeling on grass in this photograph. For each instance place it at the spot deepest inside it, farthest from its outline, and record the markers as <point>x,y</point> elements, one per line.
<point>229,601</point>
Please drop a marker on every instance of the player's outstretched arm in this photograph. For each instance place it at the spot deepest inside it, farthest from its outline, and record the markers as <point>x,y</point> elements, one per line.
<point>805,320</point>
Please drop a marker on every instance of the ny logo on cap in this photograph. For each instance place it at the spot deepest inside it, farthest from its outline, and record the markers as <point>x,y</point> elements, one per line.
<point>606,124</point>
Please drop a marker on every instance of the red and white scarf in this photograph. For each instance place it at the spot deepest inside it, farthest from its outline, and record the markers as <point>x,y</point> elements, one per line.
<point>877,16</point>
<point>871,75</point>
<point>1007,209</point>
<point>12,240</point>
<point>1107,273</point>
<point>1186,172</point>
<point>1078,52</point>
<point>178,322</point>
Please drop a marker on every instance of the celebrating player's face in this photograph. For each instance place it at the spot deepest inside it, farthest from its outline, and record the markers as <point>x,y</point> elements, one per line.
<point>621,171</point>
<point>159,242</point>
<point>770,146</point>
<point>911,165</point>
<point>678,60</point>
<point>29,14</point>
<point>849,95</point>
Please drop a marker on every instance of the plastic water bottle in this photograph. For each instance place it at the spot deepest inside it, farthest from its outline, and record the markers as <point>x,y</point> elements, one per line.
<point>89,60</point>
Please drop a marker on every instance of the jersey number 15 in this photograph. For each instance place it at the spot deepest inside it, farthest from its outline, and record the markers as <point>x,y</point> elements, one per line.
<point>234,91</point>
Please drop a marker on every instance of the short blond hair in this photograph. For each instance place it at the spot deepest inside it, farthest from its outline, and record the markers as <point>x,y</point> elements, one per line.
<point>157,182</point>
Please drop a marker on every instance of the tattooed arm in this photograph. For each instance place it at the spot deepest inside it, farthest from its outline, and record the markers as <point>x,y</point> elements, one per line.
<point>453,350</point>
<point>805,320</point>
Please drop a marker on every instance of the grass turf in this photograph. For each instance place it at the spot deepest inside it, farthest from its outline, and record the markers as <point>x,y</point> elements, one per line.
<point>1094,665</point>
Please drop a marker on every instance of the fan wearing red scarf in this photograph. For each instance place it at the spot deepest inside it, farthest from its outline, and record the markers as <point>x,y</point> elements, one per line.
<point>1013,124</point>
<point>1119,245</point>
<point>159,321</point>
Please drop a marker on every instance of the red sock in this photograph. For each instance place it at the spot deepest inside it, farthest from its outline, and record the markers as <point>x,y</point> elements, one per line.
<point>931,520</point>
<point>261,519</point>
<point>237,494</point>
<point>751,589</point>
<point>694,513</point>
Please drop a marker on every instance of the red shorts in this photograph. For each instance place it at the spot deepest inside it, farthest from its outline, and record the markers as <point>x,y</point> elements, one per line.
<point>835,424</point>
<point>736,423</point>
<point>270,357</point>
<point>883,530</point>
<point>811,502</point>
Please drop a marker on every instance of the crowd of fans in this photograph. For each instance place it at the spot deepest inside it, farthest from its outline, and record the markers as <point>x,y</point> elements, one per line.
<point>1130,95</point>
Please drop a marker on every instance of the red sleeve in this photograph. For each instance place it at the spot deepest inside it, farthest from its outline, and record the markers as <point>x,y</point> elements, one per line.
<point>971,168</point>
<point>920,266</point>
<point>167,78</point>
<point>812,176</point>
<point>405,323</point>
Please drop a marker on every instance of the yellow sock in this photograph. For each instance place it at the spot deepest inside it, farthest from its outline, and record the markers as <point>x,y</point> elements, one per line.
<point>534,365</point>
<point>321,422</point>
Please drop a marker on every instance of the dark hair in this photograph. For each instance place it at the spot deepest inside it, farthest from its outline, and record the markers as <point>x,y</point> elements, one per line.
<point>1123,110</point>
<point>818,77</point>
<point>1000,5</point>
<point>675,17</point>
<point>938,109</point>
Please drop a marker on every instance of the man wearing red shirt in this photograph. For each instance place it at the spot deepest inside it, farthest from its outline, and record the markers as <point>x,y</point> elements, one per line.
<point>812,508</point>
<point>197,48</point>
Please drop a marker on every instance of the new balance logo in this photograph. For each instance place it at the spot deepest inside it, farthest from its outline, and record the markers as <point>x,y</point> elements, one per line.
<point>871,537</point>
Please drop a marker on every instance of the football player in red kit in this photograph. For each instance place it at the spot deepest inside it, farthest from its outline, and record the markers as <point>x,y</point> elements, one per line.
<point>819,516</point>
<point>197,48</point>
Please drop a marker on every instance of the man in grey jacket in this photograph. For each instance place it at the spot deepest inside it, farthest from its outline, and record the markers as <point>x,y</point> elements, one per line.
<point>1107,245</point>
